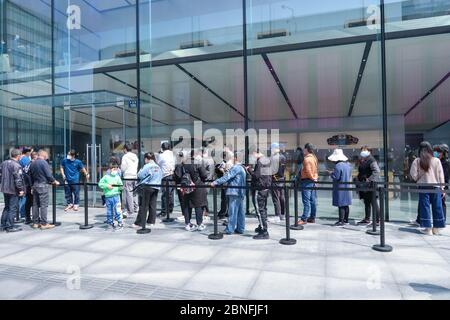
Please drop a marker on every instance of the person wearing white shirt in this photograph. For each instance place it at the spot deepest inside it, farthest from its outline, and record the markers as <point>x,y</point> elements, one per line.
<point>166,161</point>
<point>129,168</point>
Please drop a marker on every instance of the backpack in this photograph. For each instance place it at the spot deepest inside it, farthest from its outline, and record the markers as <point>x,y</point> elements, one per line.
<point>187,185</point>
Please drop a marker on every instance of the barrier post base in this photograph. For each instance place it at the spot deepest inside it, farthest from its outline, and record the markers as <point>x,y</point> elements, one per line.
<point>288,242</point>
<point>168,220</point>
<point>373,233</point>
<point>299,227</point>
<point>144,231</point>
<point>380,248</point>
<point>217,236</point>
<point>84,227</point>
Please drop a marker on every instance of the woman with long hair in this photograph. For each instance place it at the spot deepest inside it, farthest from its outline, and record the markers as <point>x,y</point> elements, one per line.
<point>427,169</point>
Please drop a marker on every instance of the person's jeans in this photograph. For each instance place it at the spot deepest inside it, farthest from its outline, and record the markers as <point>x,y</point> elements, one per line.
<point>113,210</point>
<point>309,199</point>
<point>167,192</point>
<point>22,202</point>
<point>9,212</point>
<point>236,215</point>
<point>435,200</point>
<point>131,200</point>
<point>40,204</point>
<point>72,193</point>
<point>147,202</point>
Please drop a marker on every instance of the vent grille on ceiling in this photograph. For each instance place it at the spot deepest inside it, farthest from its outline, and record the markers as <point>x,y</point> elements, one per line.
<point>272,34</point>
<point>195,44</point>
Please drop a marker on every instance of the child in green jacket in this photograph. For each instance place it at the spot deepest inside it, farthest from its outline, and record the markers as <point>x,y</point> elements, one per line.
<point>111,184</point>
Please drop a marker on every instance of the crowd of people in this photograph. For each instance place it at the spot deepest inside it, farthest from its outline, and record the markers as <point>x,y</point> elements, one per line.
<point>26,177</point>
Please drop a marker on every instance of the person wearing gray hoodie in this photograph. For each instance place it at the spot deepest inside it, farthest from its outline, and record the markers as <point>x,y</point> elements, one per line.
<point>129,168</point>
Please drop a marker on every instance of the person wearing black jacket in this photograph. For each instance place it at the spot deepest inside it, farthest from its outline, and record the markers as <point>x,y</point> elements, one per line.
<point>41,177</point>
<point>195,199</point>
<point>13,187</point>
<point>261,182</point>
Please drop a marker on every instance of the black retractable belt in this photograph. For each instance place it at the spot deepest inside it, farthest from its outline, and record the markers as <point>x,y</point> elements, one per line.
<point>382,247</point>
<point>288,240</point>
<point>296,226</point>
<point>216,235</point>
<point>86,209</point>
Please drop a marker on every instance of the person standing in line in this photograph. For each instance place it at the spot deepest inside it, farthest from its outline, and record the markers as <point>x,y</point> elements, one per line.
<point>221,169</point>
<point>166,161</point>
<point>261,182</point>
<point>41,177</point>
<point>112,185</point>
<point>25,161</point>
<point>308,179</point>
<point>441,152</point>
<point>341,176</point>
<point>368,172</point>
<point>28,186</point>
<point>428,170</point>
<point>150,177</point>
<point>235,177</point>
<point>278,166</point>
<point>129,168</point>
<point>13,187</point>
<point>70,171</point>
<point>209,165</point>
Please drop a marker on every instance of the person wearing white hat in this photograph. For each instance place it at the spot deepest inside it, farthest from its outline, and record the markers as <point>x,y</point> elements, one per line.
<point>341,175</point>
<point>278,167</point>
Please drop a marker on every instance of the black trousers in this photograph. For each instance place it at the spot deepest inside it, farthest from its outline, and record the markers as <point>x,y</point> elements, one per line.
<point>261,199</point>
<point>187,213</point>
<point>344,212</point>
<point>369,205</point>
<point>147,203</point>
<point>167,193</point>
<point>223,204</point>
<point>28,205</point>
<point>278,199</point>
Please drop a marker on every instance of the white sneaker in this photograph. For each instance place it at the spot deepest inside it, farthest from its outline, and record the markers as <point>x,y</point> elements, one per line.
<point>180,219</point>
<point>436,232</point>
<point>188,227</point>
<point>275,219</point>
<point>201,227</point>
<point>426,231</point>
<point>194,227</point>
<point>206,218</point>
<point>414,223</point>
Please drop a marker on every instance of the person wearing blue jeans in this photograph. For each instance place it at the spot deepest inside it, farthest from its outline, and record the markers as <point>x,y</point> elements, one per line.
<point>235,177</point>
<point>70,171</point>
<point>436,215</point>
<point>309,200</point>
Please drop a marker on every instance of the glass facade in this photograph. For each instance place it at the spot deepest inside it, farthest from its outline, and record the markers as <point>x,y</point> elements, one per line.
<point>94,74</point>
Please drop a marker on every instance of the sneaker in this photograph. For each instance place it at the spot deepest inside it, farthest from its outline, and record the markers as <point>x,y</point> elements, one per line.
<point>238,232</point>
<point>262,236</point>
<point>414,223</point>
<point>225,223</point>
<point>76,207</point>
<point>69,206</point>
<point>426,231</point>
<point>150,225</point>
<point>206,218</point>
<point>35,226</point>
<point>436,232</point>
<point>188,227</point>
<point>28,222</point>
<point>339,224</point>
<point>47,226</point>
<point>258,229</point>
<point>311,220</point>
<point>302,223</point>
<point>275,219</point>
<point>363,221</point>
<point>201,227</point>
<point>118,227</point>
<point>194,227</point>
<point>13,229</point>
<point>180,219</point>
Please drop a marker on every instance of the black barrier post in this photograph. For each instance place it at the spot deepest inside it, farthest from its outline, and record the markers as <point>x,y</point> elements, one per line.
<point>56,224</point>
<point>296,226</point>
<point>216,235</point>
<point>86,209</point>
<point>168,219</point>
<point>382,247</point>
<point>374,231</point>
<point>288,240</point>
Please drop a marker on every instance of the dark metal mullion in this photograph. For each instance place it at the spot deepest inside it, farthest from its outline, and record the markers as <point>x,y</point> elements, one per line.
<point>190,75</point>
<point>154,97</point>
<point>100,117</point>
<point>5,25</point>
<point>440,125</point>
<point>138,81</point>
<point>246,117</point>
<point>53,90</point>
<point>279,84</point>
<point>429,92</point>
<point>360,76</point>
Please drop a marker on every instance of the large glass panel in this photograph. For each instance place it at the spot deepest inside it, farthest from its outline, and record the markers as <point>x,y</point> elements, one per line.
<point>314,74</point>
<point>418,68</point>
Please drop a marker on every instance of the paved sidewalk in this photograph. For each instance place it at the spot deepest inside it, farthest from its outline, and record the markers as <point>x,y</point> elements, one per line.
<point>170,263</point>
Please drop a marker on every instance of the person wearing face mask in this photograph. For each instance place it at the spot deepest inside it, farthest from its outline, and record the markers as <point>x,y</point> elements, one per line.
<point>368,172</point>
<point>70,171</point>
<point>112,185</point>
<point>441,152</point>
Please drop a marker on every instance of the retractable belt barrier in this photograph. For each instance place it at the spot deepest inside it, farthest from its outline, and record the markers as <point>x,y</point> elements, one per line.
<point>378,189</point>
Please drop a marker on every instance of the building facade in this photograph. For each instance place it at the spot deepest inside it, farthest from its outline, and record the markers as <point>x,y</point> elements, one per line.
<point>92,75</point>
